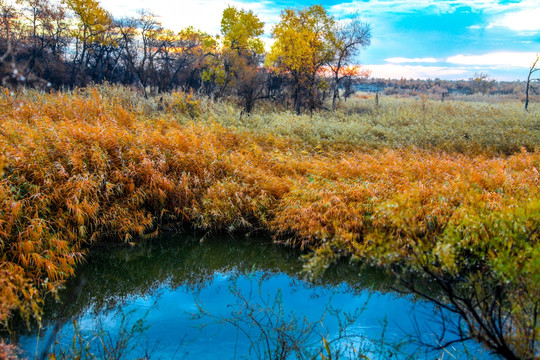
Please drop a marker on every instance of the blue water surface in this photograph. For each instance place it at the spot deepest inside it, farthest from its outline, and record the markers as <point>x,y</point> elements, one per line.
<point>227,300</point>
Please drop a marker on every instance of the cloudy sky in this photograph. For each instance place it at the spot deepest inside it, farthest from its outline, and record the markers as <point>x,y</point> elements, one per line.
<point>448,39</point>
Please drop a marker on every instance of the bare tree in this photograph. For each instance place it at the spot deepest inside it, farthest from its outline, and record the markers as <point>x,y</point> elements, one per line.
<point>143,42</point>
<point>347,41</point>
<point>502,317</point>
<point>180,54</point>
<point>250,82</point>
<point>16,49</point>
<point>532,70</point>
<point>8,14</point>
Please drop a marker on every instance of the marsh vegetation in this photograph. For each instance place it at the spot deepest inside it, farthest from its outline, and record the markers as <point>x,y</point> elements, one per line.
<point>447,191</point>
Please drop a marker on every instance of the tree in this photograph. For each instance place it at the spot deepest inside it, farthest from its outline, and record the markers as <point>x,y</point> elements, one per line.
<point>187,54</point>
<point>50,41</point>
<point>19,44</point>
<point>348,39</point>
<point>8,17</point>
<point>143,39</point>
<point>233,68</point>
<point>350,76</point>
<point>93,24</point>
<point>532,70</point>
<point>241,30</point>
<point>481,83</point>
<point>242,54</point>
<point>303,45</point>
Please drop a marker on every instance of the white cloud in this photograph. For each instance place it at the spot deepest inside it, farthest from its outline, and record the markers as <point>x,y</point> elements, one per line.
<point>201,14</point>
<point>395,71</point>
<point>268,42</point>
<point>206,14</point>
<point>435,6</point>
<point>495,59</point>
<point>525,20</point>
<point>400,60</point>
<point>460,66</point>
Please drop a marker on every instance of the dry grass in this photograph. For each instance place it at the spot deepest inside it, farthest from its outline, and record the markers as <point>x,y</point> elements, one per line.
<point>453,126</point>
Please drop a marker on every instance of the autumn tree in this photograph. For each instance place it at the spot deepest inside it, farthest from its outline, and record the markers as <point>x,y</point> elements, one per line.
<point>534,68</point>
<point>185,56</point>
<point>242,54</point>
<point>92,27</point>
<point>233,67</point>
<point>348,38</point>
<point>481,83</point>
<point>241,30</point>
<point>303,45</point>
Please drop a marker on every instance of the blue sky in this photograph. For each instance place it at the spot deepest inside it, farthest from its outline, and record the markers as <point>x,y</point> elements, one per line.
<point>448,39</point>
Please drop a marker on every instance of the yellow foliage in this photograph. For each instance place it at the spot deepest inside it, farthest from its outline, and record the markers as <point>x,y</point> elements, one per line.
<point>241,30</point>
<point>94,20</point>
<point>302,41</point>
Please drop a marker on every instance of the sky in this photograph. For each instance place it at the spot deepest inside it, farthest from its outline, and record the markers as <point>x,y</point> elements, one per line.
<point>418,39</point>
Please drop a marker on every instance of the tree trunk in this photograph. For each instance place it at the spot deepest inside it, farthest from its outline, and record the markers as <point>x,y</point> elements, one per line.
<point>336,87</point>
<point>527,92</point>
<point>531,71</point>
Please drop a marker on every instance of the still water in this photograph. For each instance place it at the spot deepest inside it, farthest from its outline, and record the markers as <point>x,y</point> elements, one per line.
<point>224,298</point>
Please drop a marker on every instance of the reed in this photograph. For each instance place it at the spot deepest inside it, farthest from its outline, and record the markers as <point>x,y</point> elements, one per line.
<point>105,164</point>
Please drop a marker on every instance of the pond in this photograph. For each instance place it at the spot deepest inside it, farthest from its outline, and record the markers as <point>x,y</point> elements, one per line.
<point>178,297</point>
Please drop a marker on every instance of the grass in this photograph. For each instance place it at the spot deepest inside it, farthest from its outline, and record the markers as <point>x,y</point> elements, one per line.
<point>413,176</point>
<point>464,127</point>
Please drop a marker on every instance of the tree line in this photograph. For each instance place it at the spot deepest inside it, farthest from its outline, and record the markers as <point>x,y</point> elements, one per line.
<point>77,42</point>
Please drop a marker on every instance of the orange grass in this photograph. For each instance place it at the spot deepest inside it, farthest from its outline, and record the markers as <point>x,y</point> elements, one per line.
<point>82,168</point>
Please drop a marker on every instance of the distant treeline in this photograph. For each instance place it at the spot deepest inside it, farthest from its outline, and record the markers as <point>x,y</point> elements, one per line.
<point>76,42</point>
<point>479,83</point>
<point>73,43</point>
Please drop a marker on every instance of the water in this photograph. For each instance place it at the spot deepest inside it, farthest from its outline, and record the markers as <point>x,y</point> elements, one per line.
<point>178,298</point>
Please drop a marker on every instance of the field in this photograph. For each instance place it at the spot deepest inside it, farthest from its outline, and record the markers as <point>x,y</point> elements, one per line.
<point>450,185</point>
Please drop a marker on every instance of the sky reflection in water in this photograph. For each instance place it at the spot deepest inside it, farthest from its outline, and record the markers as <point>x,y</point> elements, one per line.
<point>168,282</point>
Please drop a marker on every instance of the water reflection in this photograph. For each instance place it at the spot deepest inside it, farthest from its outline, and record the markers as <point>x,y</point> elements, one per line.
<point>230,298</point>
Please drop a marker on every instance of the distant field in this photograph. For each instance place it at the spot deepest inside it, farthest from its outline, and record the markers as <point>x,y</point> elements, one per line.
<point>452,126</point>
<point>455,180</point>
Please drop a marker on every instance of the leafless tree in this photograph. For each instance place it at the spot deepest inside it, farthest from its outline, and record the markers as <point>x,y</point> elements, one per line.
<point>16,49</point>
<point>534,68</point>
<point>349,38</point>
<point>502,317</point>
<point>8,14</point>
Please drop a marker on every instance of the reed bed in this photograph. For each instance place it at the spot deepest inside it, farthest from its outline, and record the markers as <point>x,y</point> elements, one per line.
<point>453,126</point>
<point>105,164</point>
